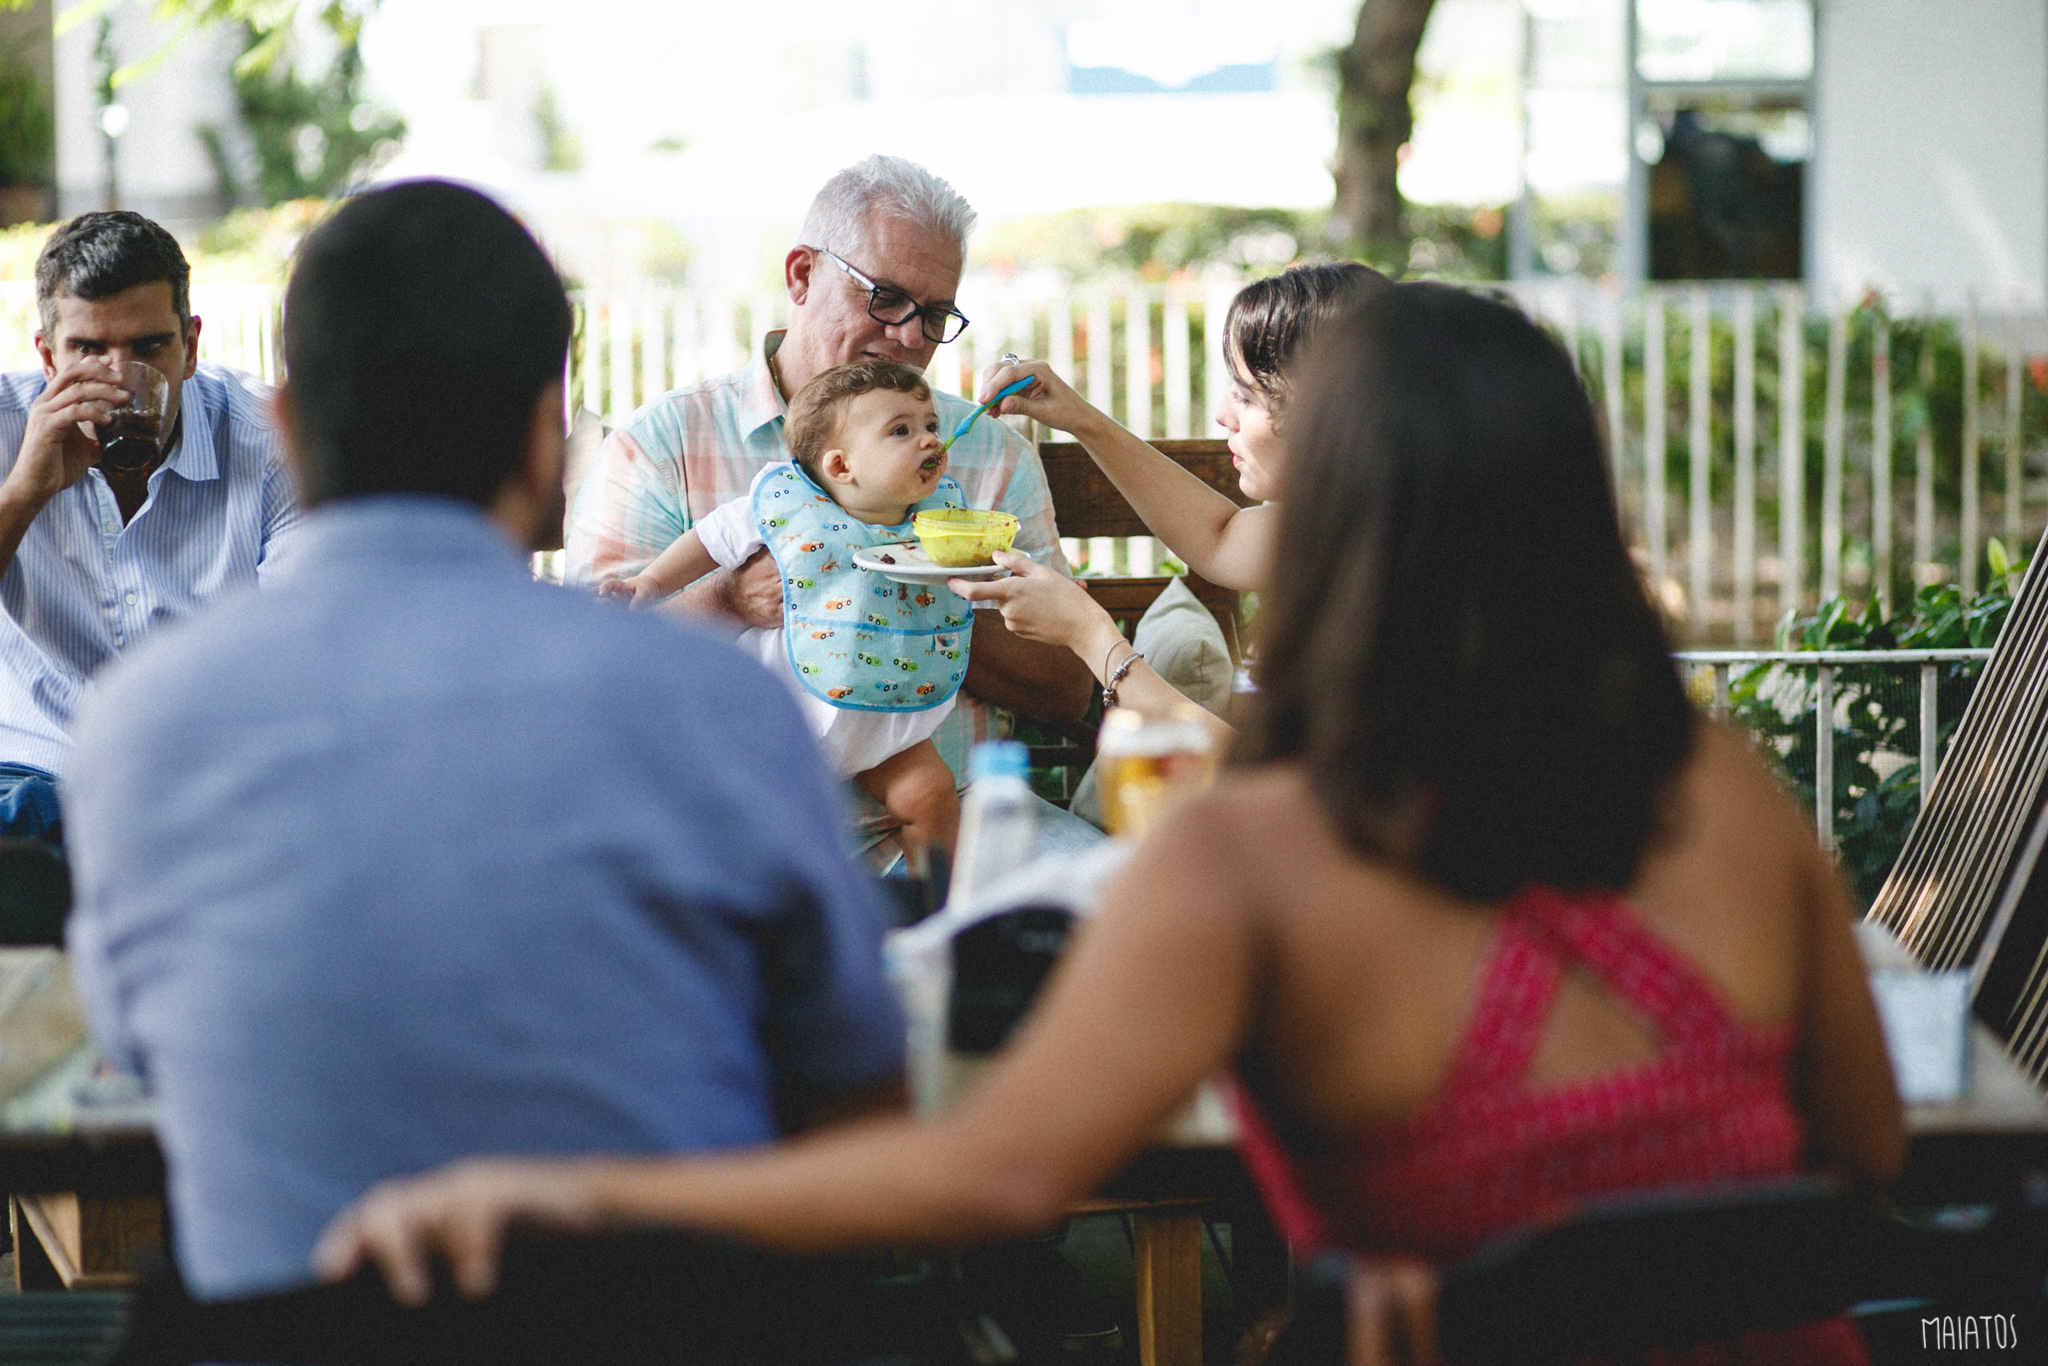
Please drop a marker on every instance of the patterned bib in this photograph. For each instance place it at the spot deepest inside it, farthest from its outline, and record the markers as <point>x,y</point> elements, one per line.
<point>856,639</point>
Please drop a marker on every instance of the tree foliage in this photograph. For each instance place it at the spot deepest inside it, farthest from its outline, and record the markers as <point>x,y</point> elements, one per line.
<point>270,20</point>
<point>312,135</point>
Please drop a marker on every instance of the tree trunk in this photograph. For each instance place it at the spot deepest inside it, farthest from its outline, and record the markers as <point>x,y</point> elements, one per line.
<point>1374,121</point>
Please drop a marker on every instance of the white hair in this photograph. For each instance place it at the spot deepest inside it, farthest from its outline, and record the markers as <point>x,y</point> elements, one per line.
<point>839,216</point>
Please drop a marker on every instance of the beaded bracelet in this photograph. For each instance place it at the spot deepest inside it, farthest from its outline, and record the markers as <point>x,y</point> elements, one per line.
<point>1109,684</point>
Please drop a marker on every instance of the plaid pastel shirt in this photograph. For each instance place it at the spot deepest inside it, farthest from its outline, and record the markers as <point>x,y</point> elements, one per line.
<point>690,450</point>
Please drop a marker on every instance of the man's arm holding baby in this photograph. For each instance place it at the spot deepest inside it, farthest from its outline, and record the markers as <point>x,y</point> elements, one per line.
<point>1034,679</point>
<point>631,505</point>
<point>750,594</point>
<point>1026,676</point>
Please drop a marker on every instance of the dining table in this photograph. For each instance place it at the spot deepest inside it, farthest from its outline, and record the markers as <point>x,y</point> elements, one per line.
<point>81,1166</point>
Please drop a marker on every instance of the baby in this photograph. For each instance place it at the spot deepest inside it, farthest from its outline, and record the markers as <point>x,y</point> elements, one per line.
<point>876,663</point>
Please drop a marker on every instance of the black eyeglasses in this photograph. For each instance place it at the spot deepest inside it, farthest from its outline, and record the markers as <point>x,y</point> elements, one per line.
<point>894,307</point>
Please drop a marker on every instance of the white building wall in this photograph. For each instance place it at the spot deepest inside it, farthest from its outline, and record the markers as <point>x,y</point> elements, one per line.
<point>164,170</point>
<point>1931,170</point>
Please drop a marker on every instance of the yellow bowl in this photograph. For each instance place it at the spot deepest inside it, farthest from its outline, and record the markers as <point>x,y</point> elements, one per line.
<point>959,537</point>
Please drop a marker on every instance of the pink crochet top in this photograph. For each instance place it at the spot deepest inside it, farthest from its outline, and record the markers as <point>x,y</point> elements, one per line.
<point>1489,1154</point>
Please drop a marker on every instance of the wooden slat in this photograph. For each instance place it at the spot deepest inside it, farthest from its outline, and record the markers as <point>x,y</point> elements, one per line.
<point>92,1244</point>
<point>1699,462</point>
<point>1127,600</point>
<point>1167,1260</point>
<point>1745,466</point>
<point>1972,545</point>
<point>1655,398</point>
<point>1834,456</point>
<point>1085,503</point>
<point>1881,462</point>
<point>1791,450</point>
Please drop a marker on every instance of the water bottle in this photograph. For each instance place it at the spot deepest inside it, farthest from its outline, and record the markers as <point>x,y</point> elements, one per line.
<point>998,820</point>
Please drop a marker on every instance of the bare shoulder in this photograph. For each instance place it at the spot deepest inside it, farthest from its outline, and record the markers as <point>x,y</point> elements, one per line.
<point>1248,806</point>
<point>1260,837</point>
<point>1731,780</point>
<point>1223,840</point>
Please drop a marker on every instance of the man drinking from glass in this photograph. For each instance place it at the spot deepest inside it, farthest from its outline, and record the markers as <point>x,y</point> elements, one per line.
<point>95,552</point>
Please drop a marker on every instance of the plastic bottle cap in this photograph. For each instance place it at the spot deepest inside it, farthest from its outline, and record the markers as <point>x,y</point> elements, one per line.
<point>999,759</point>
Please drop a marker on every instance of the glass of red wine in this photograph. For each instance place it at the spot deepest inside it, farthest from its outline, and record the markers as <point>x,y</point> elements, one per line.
<point>131,438</point>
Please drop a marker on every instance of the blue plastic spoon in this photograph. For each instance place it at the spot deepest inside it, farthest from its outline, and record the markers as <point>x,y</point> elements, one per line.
<point>968,421</point>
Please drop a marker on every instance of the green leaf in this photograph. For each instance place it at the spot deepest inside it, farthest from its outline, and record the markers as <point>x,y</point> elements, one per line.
<point>69,19</point>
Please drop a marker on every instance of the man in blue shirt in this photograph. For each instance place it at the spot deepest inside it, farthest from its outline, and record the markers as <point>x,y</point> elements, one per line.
<point>408,856</point>
<point>93,557</point>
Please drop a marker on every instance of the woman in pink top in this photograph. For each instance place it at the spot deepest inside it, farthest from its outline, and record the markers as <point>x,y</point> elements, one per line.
<point>1487,918</point>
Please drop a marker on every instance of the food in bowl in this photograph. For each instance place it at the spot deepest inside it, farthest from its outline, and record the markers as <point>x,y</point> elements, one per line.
<point>957,538</point>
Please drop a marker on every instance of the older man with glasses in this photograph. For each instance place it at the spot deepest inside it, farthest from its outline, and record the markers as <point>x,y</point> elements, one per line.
<point>873,275</point>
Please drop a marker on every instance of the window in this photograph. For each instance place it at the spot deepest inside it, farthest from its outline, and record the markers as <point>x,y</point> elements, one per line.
<point>1722,136</point>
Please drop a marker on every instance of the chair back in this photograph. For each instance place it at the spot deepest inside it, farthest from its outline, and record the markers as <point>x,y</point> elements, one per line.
<point>1673,1271</point>
<point>1086,505</point>
<point>612,1299</point>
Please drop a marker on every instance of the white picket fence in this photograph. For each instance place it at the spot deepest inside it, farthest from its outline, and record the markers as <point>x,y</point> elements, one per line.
<point>1151,356</point>
<point>1138,348</point>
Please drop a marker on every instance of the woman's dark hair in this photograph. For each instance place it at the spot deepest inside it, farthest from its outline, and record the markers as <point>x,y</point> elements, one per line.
<point>1270,318</point>
<point>420,325</point>
<point>1455,631</point>
<point>99,255</point>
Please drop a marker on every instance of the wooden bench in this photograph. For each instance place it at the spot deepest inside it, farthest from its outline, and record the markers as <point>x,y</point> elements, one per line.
<point>1086,505</point>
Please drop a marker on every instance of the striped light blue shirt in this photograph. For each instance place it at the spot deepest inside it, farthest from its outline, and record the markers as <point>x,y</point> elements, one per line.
<point>82,587</point>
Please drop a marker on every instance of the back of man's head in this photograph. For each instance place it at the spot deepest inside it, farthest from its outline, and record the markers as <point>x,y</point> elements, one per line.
<point>99,255</point>
<point>421,325</point>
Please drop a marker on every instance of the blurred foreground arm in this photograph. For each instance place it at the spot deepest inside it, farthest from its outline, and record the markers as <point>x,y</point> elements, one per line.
<point>1156,994</point>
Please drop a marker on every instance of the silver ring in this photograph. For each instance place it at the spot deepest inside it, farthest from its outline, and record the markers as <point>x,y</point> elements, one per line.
<point>1010,358</point>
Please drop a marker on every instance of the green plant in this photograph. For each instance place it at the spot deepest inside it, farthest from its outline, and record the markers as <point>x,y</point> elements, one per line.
<point>1452,243</point>
<point>313,136</point>
<point>1876,736</point>
<point>271,20</point>
<point>1934,407</point>
<point>561,149</point>
<point>27,128</point>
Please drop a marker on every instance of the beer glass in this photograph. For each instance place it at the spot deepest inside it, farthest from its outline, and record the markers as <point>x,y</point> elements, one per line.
<point>1147,763</point>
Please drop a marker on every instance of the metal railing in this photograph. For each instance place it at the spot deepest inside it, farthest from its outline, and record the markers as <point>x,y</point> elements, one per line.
<point>1826,665</point>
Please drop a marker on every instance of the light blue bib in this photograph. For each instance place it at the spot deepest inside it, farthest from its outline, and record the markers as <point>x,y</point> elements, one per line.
<point>856,639</point>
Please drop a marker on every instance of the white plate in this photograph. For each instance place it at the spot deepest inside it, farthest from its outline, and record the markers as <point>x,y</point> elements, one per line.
<point>912,565</point>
